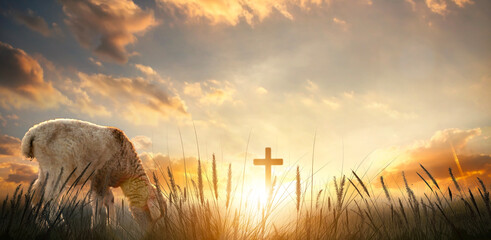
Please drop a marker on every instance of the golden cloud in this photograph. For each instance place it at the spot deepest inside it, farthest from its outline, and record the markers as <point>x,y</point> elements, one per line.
<point>13,169</point>
<point>9,146</point>
<point>107,27</point>
<point>231,12</point>
<point>145,69</point>
<point>21,82</point>
<point>437,157</point>
<point>19,173</point>
<point>13,173</point>
<point>81,102</point>
<point>141,142</point>
<point>95,62</point>
<point>155,162</point>
<point>437,6</point>
<point>210,92</point>
<point>138,100</point>
<point>440,6</point>
<point>462,3</point>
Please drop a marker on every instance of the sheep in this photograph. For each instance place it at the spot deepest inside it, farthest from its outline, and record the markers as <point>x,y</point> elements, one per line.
<point>66,145</point>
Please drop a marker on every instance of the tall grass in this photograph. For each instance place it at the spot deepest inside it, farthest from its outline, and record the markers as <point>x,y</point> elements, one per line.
<point>350,211</point>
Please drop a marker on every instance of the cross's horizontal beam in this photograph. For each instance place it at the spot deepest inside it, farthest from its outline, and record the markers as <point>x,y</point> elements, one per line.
<point>274,161</point>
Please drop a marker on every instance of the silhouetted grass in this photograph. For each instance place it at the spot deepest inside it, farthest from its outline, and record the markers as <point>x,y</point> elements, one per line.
<point>356,213</point>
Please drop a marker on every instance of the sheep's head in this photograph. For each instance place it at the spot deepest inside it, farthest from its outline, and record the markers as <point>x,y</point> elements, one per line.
<point>153,204</point>
<point>144,201</point>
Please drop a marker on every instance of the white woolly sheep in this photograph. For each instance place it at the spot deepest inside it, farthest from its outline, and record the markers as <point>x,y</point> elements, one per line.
<point>73,144</point>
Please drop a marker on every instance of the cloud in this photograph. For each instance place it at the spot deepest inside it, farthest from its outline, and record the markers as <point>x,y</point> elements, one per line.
<point>81,102</point>
<point>19,173</point>
<point>9,146</point>
<point>21,82</point>
<point>261,90</point>
<point>388,111</point>
<point>436,155</point>
<point>412,3</point>
<point>462,3</point>
<point>107,27</point>
<point>231,12</point>
<point>141,142</point>
<point>332,103</point>
<point>211,92</point>
<point>35,23</point>
<point>437,6</point>
<point>312,86</point>
<point>136,99</point>
<point>339,21</point>
<point>441,7</point>
<point>154,162</point>
<point>145,69</point>
<point>95,62</point>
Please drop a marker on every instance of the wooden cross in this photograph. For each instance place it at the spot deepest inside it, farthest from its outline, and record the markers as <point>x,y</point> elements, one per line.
<point>267,162</point>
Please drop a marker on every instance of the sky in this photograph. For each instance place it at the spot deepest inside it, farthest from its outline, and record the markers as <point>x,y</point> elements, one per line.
<point>377,86</point>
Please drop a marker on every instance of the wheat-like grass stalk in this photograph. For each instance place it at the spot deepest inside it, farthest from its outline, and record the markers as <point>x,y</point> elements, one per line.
<point>431,176</point>
<point>485,196</point>
<point>387,195</point>
<point>412,197</point>
<point>229,184</point>
<point>357,190</point>
<point>468,206</point>
<point>215,177</point>
<point>424,180</point>
<point>329,203</point>
<point>450,193</point>
<point>403,212</point>
<point>200,183</point>
<point>409,191</point>
<point>339,190</point>
<point>474,202</point>
<point>173,188</point>
<point>317,200</point>
<point>160,199</point>
<point>361,183</point>
<point>336,187</point>
<point>454,180</point>
<point>298,189</point>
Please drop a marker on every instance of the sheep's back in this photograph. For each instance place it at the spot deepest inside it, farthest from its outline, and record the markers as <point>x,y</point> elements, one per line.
<point>72,144</point>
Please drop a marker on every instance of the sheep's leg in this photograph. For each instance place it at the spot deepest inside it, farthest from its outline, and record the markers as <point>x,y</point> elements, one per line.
<point>48,184</point>
<point>97,203</point>
<point>54,183</point>
<point>109,204</point>
<point>101,197</point>
<point>142,217</point>
<point>37,187</point>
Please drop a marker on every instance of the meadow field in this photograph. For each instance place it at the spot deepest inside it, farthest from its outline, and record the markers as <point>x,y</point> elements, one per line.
<point>347,208</point>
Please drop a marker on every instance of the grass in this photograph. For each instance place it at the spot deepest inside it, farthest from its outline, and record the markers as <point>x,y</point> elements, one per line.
<point>352,211</point>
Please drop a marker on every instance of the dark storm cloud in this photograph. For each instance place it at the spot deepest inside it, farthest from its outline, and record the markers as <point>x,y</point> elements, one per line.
<point>17,68</point>
<point>107,27</point>
<point>35,23</point>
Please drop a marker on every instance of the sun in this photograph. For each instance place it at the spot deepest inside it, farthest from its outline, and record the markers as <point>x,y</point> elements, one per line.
<point>256,193</point>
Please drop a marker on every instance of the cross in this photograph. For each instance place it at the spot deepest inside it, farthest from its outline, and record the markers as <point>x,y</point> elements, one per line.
<point>267,162</point>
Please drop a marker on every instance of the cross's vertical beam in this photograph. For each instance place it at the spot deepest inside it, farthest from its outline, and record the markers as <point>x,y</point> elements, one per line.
<point>268,168</point>
<point>268,177</point>
<point>267,162</point>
